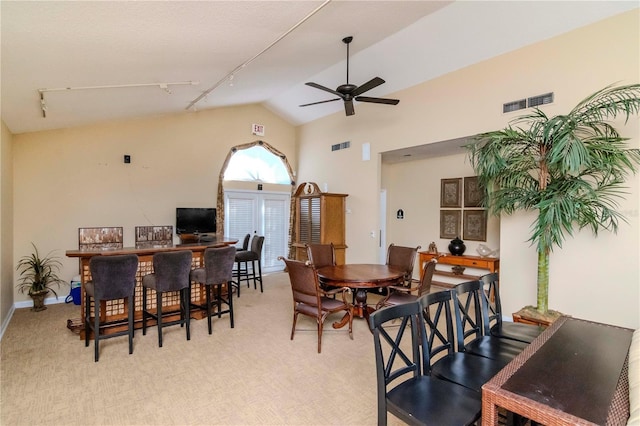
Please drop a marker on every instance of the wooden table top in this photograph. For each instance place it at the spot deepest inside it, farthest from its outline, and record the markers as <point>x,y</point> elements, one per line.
<point>147,248</point>
<point>571,374</point>
<point>360,275</point>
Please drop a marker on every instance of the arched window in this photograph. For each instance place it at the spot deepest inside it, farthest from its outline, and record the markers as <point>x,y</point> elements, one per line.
<point>256,164</point>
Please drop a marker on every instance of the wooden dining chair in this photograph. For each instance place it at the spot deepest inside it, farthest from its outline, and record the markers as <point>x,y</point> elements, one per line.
<point>405,386</point>
<point>311,300</point>
<point>397,295</point>
<point>499,328</point>
<point>447,361</point>
<point>403,258</point>
<point>472,324</point>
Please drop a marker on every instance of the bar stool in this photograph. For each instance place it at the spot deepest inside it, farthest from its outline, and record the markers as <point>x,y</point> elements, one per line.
<point>243,258</point>
<point>171,274</point>
<point>217,272</point>
<point>112,277</point>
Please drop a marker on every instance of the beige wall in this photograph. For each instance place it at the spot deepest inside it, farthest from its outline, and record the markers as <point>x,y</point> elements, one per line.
<point>586,270</point>
<point>6,225</point>
<point>71,178</point>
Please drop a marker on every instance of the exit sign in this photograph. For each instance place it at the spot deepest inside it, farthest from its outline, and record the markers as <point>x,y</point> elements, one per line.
<point>257,129</point>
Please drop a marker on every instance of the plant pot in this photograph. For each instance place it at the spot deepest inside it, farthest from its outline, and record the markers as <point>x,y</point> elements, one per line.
<point>38,300</point>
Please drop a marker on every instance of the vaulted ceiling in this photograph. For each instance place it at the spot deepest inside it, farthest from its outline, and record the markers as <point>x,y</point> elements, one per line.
<point>69,63</point>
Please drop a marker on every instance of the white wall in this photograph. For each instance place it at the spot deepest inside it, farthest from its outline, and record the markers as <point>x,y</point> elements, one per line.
<point>587,271</point>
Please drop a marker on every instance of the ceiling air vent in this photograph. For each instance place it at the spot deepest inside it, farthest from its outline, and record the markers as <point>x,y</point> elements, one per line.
<point>514,106</point>
<point>535,101</point>
<point>339,146</point>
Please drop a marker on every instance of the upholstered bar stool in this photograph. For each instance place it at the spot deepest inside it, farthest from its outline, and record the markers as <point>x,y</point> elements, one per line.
<point>217,272</point>
<point>112,277</point>
<point>253,257</point>
<point>170,274</point>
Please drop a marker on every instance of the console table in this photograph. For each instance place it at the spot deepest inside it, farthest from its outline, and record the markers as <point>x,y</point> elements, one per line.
<point>116,310</point>
<point>491,264</point>
<point>574,373</point>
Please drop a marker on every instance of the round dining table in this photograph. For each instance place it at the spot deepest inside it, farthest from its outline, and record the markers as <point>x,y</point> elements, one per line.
<point>359,277</point>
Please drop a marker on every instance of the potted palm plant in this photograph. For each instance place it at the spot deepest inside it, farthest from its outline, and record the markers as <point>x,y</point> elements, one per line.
<point>38,276</point>
<point>570,169</point>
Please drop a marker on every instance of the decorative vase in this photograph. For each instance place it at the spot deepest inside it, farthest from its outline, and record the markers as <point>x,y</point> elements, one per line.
<point>38,300</point>
<point>457,247</point>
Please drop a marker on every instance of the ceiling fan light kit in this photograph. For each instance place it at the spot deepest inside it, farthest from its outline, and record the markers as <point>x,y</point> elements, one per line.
<point>350,92</point>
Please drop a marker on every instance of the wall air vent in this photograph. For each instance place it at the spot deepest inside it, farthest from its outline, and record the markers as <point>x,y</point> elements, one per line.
<point>535,101</point>
<point>514,106</point>
<point>339,146</point>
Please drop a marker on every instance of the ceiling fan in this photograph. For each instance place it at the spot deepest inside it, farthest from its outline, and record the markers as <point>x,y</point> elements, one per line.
<point>348,92</point>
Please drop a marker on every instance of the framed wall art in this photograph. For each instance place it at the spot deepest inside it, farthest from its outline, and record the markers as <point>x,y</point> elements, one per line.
<point>100,238</point>
<point>475,225</point>
<point>449,223</point>
<point>154,234</point>
<point>450,192</point>
<point>473,192</point>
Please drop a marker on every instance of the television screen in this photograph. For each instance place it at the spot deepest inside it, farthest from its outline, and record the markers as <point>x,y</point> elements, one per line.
<point>195,220</point>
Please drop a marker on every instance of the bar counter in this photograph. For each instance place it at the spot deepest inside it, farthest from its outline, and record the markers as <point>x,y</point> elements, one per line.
<point>115,311</point>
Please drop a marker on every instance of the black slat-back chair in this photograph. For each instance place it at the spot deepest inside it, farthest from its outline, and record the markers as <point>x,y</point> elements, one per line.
<point>405,386</point>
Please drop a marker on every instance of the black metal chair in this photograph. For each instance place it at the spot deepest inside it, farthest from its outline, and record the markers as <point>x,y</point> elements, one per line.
<point>405,386</point>
<point>252,257</point>
<point>170,274</point>
<point>218,273</point>
<point>499,328</point>
<point>448,363</point>
<point>112,278</point>
<point>397,295</point>
<point>472,324</point>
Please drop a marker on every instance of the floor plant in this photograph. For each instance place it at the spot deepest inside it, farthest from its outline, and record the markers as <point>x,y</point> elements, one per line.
<point>571,169</point>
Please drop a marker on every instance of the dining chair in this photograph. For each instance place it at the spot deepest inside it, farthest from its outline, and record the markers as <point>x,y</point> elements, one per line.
<point>504,329</point>
<point>170,274</point>
<point>404,259</point>
<point>217,272</point>
<point>405,386</point>
<point>251,257</point>
<point>397,295</point>
<point>321,254</point>
<point>472,323</point>
<point>112,278</point>
<point>447,361</point>
<point>311,300</point>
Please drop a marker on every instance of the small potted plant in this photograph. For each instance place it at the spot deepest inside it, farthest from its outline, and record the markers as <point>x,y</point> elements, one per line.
<point>38,276</point>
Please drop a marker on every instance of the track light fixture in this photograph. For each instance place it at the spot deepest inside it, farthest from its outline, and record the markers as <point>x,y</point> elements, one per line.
<point>163,86</point>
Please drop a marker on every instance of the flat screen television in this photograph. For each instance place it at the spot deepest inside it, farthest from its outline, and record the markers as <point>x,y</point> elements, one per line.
<point>195,220</point>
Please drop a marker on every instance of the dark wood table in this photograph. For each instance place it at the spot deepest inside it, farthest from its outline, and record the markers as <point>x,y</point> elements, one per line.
<point>574,373</point>
<point>360,276</point>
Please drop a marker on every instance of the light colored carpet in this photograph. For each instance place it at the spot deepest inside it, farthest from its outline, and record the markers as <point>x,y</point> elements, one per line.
<point>252,374</point>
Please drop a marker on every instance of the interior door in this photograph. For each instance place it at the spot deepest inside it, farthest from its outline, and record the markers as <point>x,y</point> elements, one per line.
<point>261,213</point>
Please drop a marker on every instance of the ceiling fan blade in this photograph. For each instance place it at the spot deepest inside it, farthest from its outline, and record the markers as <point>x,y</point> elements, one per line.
<point>348,107</point>
<point>326,89</point>
<point>321,102</point>
<point>377,100</point>
<point>374,82</point>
